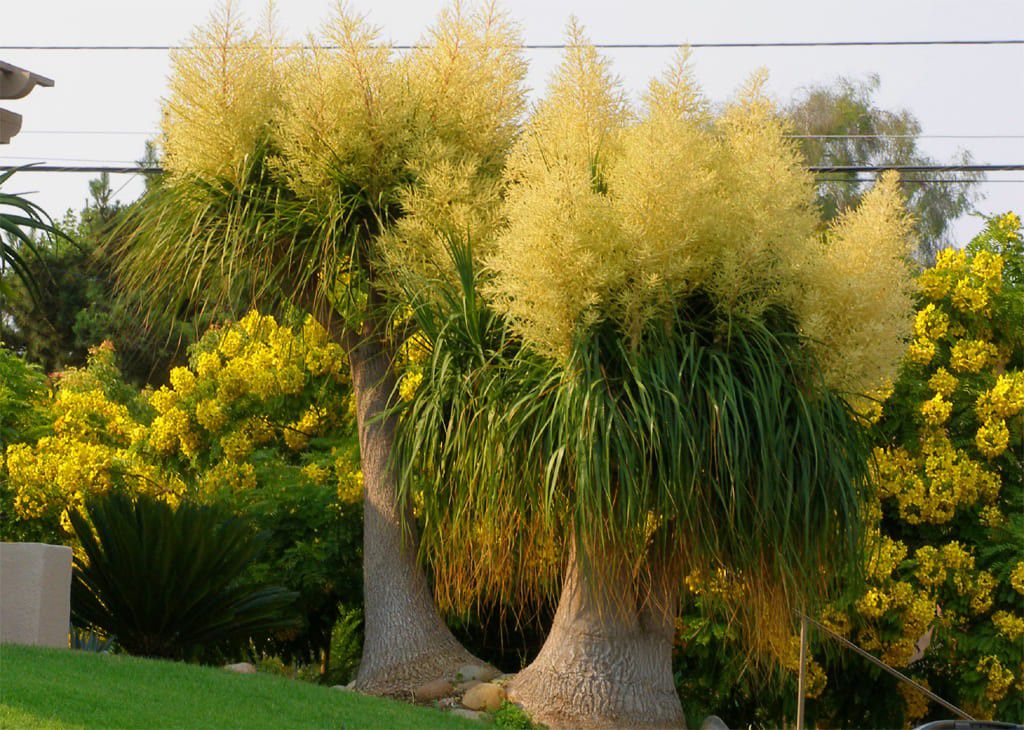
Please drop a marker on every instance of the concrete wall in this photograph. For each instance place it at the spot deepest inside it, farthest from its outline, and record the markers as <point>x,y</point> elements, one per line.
<point>35,593</point>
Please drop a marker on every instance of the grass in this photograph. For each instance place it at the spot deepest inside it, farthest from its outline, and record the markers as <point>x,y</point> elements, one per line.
<point>52,689</point>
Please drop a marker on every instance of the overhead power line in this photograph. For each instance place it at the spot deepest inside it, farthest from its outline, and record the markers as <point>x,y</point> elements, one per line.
<point>825,169</point>
<point>790,136</point>
<point>915,168</point>
<point>608,46</point>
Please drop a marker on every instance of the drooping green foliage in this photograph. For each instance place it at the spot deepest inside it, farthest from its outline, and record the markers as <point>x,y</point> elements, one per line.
<point>166,581</point>
<point>530,453</point>
<point>20,219</point>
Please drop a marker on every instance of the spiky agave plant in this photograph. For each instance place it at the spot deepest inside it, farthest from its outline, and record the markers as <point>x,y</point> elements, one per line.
<point>667,392</point>
<point>320,178</point>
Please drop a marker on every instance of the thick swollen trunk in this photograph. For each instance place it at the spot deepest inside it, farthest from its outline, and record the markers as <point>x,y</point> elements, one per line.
<point>607,662</point>
<point>406,642</point>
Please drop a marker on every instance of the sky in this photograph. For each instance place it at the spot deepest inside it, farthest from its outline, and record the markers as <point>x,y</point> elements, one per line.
<point>952,90</point>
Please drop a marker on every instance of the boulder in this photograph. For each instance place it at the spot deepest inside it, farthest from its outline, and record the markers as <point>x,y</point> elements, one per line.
<point>433,690</point>
<point>713,722</point>
<point>464,686</point>
<point>241,668</point>
<point>35,594</point>
<point>478,672</point>
<point>485,696</point>
<point>470,714</point>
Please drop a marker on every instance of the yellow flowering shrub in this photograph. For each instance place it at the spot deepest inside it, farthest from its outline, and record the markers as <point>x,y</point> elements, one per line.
<point>945,551</point>
<point>257,421</point>
<point>94,445</point>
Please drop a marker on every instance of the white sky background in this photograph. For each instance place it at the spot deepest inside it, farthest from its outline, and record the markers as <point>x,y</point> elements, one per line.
<point>951,89</point>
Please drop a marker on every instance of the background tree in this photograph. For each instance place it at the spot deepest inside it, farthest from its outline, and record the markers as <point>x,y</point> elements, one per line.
<point>668,396</point>
<point>78,308</point>
<point>318,178</point>
<point>866,134</point>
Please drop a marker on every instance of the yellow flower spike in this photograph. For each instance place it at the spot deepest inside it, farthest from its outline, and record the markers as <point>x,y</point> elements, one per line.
<point>208,364</point>
<point>967,297</point>
<point>988,267</point>
<point>921,351</point>
<point>183,381</point>
<point>999,677</point>
<point>936,411</point>
<point>951,259</point>
<point>943,382</point>
<point>1009,625</point>
<point>972,356</point>
<point>992,438</point>
<point>933,284</point>
<point>1017,577</point>
<point>931,323</point>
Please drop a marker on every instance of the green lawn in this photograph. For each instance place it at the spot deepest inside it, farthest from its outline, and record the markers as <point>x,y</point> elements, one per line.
<point>49,689</point>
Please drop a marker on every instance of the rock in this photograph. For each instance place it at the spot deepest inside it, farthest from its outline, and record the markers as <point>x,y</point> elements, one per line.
<point>341,687</point>
<point>484,696</point>
<point>481,673</point>
<point>713,722</point>
<point>433,690</point>
<point>470,714</point>
<point>241,668</point>
<point>464,686</point>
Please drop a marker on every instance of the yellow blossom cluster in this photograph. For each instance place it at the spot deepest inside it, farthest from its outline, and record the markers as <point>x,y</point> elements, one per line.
<point>1017,577</point>
<point>237,373</point>
<point>999,677</point>
<point>1009,625</point>
<point>972,356</point>
<point>929,488</point>
<point>250,385</point>
<point>915,702</point>
<point>93,448</point>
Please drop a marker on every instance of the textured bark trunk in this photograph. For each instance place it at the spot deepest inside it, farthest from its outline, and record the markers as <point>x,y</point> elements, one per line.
<point>607,662</point>
<point>406,642</point>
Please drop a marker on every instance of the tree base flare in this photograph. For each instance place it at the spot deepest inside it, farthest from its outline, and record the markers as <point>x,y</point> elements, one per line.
<point>607,663</point>
<point>398,680</point>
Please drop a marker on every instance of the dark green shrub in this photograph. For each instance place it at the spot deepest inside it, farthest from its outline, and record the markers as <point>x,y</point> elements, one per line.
<point>166,581</point>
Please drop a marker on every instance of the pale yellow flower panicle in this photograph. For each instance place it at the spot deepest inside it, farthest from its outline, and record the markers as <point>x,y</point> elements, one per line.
<point>620,215</point>
<point>466,78</point>
<point>563,249</point>
<point>857,307</point>
<point>343,120</point>
<point>225,88</point>
<point>766,216</point>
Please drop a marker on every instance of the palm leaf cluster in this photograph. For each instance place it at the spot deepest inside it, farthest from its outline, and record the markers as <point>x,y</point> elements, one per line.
<point>711,446</point>
<point>170,582</point>
<point>19,219</point>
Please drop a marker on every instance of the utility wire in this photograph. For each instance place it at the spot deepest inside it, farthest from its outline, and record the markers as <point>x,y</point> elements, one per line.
<point>812,168</point>
<point>790,136</point>
<point>558,46</point>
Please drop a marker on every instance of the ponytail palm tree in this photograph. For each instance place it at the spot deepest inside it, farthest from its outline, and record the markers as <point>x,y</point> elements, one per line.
<point>321,179</point>
<point>655,379</point>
